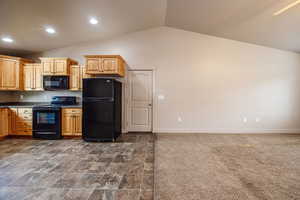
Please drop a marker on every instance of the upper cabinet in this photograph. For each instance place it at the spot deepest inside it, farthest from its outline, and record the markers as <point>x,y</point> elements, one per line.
<point>11,72</point>
<point>77,73</point>
<point>57,66</point>
<point>75,77</point>
<point>33,77</point>
<point>105,65</point>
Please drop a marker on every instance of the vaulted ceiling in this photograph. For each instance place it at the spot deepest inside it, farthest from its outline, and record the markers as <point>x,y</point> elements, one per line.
<point>243,20</point>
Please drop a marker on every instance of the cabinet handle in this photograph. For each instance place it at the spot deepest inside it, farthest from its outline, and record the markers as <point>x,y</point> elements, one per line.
<point>75,122</point>
<point>34,78</point>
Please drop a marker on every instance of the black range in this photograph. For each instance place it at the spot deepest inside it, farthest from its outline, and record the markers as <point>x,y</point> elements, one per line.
<point>47,118</point>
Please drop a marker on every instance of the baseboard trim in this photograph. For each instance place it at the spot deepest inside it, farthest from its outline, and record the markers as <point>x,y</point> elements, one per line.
<point>233,131</point>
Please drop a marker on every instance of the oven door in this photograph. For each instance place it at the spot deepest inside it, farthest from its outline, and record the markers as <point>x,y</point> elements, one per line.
<point>47,123</point>
<point>56,82</point>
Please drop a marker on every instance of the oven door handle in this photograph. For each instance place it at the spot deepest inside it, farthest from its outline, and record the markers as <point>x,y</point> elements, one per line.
<point>43,130</point>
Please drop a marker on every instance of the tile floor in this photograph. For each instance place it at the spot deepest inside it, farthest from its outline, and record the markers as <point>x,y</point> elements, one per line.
<point>74,169</point>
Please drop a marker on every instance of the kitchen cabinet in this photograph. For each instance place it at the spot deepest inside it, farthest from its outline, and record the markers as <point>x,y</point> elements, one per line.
<point>21,121</point>
<point>33,77</point>
<point>75,77</point>
<point>105,65</point>
<point>84,74</point>
<point>77,73</point>
<point>4,122</point>
<point>57,66</point>
<point>71,122</point>
<point>11,73</point>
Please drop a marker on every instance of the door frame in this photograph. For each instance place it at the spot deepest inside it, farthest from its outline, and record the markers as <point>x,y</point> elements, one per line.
<point>128,100</point>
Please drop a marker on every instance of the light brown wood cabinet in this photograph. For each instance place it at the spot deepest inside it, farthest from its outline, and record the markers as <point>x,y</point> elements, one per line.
<point>57,66</point>
<point>33,77</point>
<point>71,122</point>
<point>77,73</point>
<point>105,65</point>
<point>21,121</point>
<point>11,72</point>
<point>75,77</point>
<point>4,122</point>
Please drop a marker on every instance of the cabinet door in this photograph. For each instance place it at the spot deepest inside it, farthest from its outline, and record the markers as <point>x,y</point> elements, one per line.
<point>110,65</point>
<point>38,77</point>
<point>78,125</point>
<point>1,123</point>
<point>14,113</point>
<point>67,124</point>
<point>10,74</point>
<point>4,122</point>
<point>9,114</point>
<point>93,65</point>
<point>84,75</point>
<point>75,78</point>
<point>48,67</point>
<point>28,77</point>
<point>60,66</point>
<point>1,73</point>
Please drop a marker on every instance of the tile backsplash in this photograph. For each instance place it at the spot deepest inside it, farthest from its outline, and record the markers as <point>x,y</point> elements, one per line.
<point>6,96</point>
<point>34,96</point>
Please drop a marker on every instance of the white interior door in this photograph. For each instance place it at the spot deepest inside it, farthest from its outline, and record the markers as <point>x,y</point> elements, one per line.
<point>140,101</point>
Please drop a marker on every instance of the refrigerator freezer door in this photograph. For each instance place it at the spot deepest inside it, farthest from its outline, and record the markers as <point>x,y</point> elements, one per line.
<point>98,88</point>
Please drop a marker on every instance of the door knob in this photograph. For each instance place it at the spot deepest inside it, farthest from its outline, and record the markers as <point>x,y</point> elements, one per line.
<point>149,104</point>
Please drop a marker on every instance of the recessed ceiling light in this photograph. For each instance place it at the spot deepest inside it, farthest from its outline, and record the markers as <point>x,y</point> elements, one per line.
<point>287,8</point>
<point>7,39</point>
<point>50,30</point>
<point>93,21</point>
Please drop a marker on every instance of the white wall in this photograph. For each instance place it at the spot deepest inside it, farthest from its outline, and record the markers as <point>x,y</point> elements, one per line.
<point>211,83</point>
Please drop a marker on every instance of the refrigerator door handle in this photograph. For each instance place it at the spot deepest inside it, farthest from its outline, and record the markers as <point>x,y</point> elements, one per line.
<point>87,99</point>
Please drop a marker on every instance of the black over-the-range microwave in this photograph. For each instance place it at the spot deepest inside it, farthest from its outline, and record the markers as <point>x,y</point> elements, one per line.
<point>56,82</point>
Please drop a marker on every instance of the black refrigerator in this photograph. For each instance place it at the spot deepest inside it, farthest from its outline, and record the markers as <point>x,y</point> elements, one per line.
<point>102,109</point>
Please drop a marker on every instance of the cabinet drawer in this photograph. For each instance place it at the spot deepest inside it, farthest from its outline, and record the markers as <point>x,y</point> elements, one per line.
<point>23,132</point>
<point>72,111</point>
<point>23,126</point>
<point>23,123</point>
<point>25,117</point>
<point>24,111</point>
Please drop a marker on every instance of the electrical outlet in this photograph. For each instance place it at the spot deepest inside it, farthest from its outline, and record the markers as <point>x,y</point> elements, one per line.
<point>179,119</point>
<point>245,120</point>
<point>257,119</point>
<point>161,97</point>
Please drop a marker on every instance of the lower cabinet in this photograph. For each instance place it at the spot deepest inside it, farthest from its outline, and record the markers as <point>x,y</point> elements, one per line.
<point>71,122</point>
<point>21,121</point>
<point>4,122</point>
<point>18,121</point>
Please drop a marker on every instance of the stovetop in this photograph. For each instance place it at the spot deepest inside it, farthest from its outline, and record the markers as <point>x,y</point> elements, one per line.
<point>56,105</point>
<point>61,101</point>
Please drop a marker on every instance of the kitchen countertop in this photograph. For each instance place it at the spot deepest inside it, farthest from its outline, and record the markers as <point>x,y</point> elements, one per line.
<point>32,104</point>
